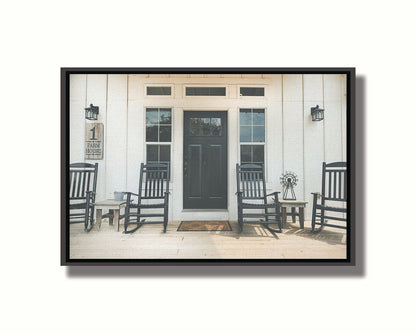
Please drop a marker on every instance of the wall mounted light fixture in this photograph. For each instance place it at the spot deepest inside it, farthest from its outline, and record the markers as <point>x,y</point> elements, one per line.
<point>91,113</point>
<point>317,113</point>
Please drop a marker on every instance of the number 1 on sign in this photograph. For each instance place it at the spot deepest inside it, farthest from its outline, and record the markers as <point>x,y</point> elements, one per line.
<point>93,133</point>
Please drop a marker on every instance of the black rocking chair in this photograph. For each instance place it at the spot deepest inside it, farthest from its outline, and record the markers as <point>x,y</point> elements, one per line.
<point>251,185</point>
<point>82,191</point>
<point>153,186</point>
<point>334,192</point>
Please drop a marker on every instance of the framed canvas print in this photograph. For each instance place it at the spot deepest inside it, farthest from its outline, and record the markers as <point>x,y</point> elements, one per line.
<point>207,166</point>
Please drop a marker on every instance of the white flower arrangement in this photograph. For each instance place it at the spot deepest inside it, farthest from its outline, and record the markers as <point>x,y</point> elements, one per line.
<point>288,178</point>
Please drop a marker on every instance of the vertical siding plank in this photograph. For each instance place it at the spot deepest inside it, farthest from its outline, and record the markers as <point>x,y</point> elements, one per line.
<point>176,190</point>
<point>313,138</point>
<point>332,121</point>
<point>233,153</point>
<point>274,132</point>
<point>135,131</point>
<point>77,91</point>
<point>116,134</point>
<point>97,95</point>
<point>343,79</point>
<point>293,128</point>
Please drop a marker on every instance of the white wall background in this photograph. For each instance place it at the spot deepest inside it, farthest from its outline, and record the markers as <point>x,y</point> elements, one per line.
<point>39,37</point>
<point>293,142</point>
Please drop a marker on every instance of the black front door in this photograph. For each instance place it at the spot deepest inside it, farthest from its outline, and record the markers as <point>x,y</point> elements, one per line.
<point>205,159</point>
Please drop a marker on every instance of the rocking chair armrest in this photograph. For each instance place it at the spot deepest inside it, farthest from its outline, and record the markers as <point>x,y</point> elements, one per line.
<point>90,193</point>
<point>131,193</point>
<point>316,194</point>
<point>273,193</point>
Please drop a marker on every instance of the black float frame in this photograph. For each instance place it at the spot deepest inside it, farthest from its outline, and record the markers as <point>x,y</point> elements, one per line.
<point>351,133</point>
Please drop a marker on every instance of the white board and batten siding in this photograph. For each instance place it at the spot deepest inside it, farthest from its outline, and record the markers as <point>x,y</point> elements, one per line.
<point>293,141</point>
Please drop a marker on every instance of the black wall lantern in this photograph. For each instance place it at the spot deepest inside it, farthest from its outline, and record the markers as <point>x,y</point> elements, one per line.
<point>317,113</point>
<point>91,113</point>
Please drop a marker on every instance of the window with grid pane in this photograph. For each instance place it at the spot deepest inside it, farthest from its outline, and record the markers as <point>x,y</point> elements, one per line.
<point>158,124</point>
<point>158,153</point>
<point>252,136</point>
<point>158,130</point>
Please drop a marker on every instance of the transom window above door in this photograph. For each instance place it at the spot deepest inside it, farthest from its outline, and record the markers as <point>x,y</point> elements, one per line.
<point>251,91</point>
<point>158,91</point>
<point>205,91</point>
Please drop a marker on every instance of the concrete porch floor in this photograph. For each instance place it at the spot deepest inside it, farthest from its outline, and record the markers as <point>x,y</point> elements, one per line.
<point>256,242</point>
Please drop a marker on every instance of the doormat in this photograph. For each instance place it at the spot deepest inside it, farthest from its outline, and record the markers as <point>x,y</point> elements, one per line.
<point>204,226</point>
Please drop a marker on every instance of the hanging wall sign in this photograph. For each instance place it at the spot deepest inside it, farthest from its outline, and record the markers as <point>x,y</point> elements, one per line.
<point>94,141</point>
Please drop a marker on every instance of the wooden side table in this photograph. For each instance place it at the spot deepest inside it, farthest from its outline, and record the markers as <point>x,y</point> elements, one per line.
<point>293,204</point>
<point>114,207</point>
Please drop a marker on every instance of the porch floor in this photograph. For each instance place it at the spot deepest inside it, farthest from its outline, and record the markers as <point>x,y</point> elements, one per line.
<point>256,242</point>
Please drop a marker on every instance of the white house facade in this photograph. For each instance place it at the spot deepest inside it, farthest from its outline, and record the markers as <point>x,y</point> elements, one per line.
<point>191,120</point>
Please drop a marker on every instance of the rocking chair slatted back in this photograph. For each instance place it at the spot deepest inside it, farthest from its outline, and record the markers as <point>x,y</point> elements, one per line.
<point>154,180</point>
<point>334,181</point>
<point>251,185</point>
<point>82,179</point>
<point>250,181</point>
<point>333,202</point>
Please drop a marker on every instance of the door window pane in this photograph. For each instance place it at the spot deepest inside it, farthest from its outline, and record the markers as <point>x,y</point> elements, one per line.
<point>205,127</point>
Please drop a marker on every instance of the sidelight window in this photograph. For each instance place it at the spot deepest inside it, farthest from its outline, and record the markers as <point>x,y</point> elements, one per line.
<point>252,136</point>
<point>158,135</point>
<point>158,124</point>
